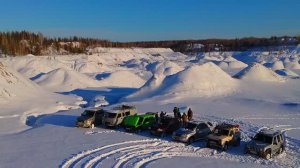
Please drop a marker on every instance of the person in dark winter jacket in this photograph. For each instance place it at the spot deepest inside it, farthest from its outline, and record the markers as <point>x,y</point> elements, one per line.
<point>156,117</point>
<point>190,114</point>
<point>162,114</point>
<point>184,119</point>
<point>175,112</point>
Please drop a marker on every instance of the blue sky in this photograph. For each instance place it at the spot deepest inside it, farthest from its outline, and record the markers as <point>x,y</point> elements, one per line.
<point>144,20</point>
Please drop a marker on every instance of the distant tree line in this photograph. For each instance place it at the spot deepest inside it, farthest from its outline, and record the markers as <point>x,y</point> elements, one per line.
<point>17,43</point>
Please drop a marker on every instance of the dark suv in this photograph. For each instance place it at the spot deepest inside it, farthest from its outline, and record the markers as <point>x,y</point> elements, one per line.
<point>90,118</point>
<point>266,143</point>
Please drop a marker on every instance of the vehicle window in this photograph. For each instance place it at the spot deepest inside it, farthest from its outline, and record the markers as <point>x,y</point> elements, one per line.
<point>88,113</point>
<point>202,126</point>
<point>191,126</point>
<point>279,138</point>
<point>230,133</point>
<point>111,115</point>
<point>127,113</point>
<point>221,132</point>
<point>119,115</point>
<point>263,138</point>
<point>275,140</point>
<point>140,121</point>
<point>209,123</point>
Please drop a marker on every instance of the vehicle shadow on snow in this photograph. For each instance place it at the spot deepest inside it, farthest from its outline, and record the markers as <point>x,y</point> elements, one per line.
<point>112,95</point>
<point>62,120</point>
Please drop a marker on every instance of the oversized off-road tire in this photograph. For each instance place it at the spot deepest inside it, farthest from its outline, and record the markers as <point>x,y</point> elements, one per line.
<point>92,126</point>
<point>208,144</point>
<point>268,154</point>
<point>225,147</point>
<point>281,149</point>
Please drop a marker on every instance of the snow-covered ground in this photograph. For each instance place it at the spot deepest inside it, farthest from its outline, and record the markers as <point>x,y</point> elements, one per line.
<point>41,97</point>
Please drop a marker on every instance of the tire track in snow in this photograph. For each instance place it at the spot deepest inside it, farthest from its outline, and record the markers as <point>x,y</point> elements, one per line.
<point>76,159</point>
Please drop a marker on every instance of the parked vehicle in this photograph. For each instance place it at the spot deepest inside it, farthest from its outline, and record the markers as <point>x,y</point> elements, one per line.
<point>167,125</point>
<point>139,122</point>
<point>90,118</point>
<point>114,117</point>
<point>266,143</point>
<point>193,131</point>
<point>224,136</point>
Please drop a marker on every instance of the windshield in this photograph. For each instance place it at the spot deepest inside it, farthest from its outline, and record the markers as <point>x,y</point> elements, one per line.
<point>88,113</point>
<point>221,132</point>
<point>191,126</point>
<point>263,138</point>
<point>111,115</point>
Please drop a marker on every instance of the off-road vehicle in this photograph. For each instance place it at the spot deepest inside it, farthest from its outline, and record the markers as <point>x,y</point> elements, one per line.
<point>224,135</point>
<point>266,143</point>
<point>193,131</point>
<point>166,125</point>
<point>114,116</point>
<point>90,118</point>
<point>138,122</point>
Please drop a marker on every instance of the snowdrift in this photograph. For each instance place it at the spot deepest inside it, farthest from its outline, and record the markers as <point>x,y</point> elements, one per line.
<point>125,79</point>
<point>198,80</point>
<point>258,72</point>
<point>65,80</point>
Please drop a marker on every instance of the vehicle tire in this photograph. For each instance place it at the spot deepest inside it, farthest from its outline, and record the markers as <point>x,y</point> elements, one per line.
<point>208,144</point>
<point>246,151</point>
<point>268,155</point>
<point>92,126</point>
<point>191,140</point>
<point>225,147</point>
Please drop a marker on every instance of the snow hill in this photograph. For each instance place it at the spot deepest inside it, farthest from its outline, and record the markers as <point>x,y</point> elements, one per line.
<point>12,84</point>
<point>65,80</point>
<point>126,79</point>
<point>258,72</point>
<point>21,99</point>
<point>197,80</point>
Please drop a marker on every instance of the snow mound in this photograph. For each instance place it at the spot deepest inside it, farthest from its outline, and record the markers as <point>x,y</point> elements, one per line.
<point>292,65</point>
<point>287,73</point>
<point>65,80</point>
<point>166,68</point>
<point>13,84</point>
<point>236,64</point>
<point>124,78</point>
<point>197,80</point>
<point>258,72</point>
<point>277,65</point>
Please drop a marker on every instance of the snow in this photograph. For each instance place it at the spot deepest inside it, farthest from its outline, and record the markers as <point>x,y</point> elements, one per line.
<point>41,97</point>
<point>65,80</point>
<point>258,72</point>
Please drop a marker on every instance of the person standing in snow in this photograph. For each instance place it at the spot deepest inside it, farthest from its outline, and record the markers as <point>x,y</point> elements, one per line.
<point>162,114</point>
<point>184,119</point>
<point>190,114</point>
<point>156,117</point>
<point>175,112</point>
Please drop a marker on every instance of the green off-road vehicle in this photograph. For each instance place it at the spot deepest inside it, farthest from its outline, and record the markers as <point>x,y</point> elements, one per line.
<point>266,143</point>
<point>90,118</point>
<point>139,122</point>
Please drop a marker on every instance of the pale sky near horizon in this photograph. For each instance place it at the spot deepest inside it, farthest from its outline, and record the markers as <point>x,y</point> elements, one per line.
<point>144,20</point>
